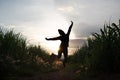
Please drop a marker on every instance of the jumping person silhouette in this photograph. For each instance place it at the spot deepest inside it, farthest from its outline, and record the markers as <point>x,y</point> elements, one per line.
<point>64,38</point>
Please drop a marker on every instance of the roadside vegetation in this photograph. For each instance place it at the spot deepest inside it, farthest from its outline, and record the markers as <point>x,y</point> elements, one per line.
<point>100,55</point>
<point>17,58</point>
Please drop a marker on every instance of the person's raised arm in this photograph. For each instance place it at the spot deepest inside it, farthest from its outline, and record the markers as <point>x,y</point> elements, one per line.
<point>55,38</point>
<point>69,30</point>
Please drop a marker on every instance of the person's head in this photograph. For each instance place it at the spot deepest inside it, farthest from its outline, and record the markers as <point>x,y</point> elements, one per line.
<point>61,32</point>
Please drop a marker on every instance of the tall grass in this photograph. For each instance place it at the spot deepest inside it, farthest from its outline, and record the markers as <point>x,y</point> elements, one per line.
<point>16,57</point>
<point>37,52</point>
<point>101,54</point>
<point>12,45</point>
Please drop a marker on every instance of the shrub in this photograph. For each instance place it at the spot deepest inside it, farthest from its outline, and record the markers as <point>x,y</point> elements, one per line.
<point>16,57</point>
<point>102,52</point>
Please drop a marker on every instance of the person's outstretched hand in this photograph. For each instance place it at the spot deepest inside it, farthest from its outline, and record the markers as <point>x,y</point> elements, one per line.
<point>46,38</point>
<point>72,22</point>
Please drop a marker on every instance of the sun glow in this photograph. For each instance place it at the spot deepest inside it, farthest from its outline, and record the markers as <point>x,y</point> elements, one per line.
<point>49,28</point>
<point>53,46</point>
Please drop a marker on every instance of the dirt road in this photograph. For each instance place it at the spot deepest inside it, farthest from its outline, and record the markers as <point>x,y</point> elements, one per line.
<point>56,75</point>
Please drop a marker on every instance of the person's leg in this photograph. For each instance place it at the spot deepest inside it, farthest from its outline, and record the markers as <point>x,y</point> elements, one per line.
<point>59,53</point>
<point>65,52</point>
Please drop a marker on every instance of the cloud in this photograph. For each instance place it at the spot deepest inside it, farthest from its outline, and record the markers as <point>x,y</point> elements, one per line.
<point>66,9</point>
<point>15,11</point>
<point>33,18</point>
<point>89,15</point>
<point>37,19</point>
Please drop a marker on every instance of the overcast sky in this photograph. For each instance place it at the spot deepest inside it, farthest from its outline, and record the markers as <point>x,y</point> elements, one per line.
<point>37,19</point>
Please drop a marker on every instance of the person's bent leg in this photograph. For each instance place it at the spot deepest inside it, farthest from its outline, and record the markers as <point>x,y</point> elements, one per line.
<point>59,53</point>
<point>65,57</point>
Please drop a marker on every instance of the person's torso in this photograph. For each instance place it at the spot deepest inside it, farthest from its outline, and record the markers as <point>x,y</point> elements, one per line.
<point>64,41</point>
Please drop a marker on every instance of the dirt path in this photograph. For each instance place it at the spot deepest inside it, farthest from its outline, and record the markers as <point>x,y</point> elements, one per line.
<point>68,74</point>
<point>57,75</point>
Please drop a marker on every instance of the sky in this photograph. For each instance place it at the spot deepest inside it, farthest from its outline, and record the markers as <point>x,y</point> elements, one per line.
<point>37,19</point>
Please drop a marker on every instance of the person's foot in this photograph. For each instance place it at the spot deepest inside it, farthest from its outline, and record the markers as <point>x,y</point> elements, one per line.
<point>64,64</point>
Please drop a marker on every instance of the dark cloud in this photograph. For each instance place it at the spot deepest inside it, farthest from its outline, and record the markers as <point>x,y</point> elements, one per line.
<point>85,29</point>
<point>76,43</point>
